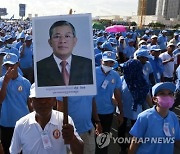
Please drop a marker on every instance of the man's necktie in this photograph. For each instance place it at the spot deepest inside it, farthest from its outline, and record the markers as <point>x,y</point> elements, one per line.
<point>65,72</point>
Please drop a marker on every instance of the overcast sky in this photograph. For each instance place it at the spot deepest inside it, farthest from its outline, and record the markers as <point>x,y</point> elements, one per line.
<point>56,7</point>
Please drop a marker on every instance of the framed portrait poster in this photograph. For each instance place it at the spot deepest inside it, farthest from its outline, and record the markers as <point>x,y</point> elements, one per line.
<point>64,55</point>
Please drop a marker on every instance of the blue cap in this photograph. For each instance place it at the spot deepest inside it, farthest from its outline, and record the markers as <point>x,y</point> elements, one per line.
<point>115,65</point>
<point>109,56</point>
<point>98,58</point>
<point>130,40</point>
<point>164,31</point>
<point>112,40</point>
<point>107,45</point>
<point>127,33</point>
<point>111,35</point>
<point>147,31</point>
<point>28,38</point>
<point>162,86</point>
<point>155,48</point>
<point>142,53</point>
<point>2,39</point>
<point>13,35</point>
<point>100,40</point>
<point>7,37</point>
<point>101,32</point>
<point>10,58</point>
<point>21,35</point>
<point>143,47</point>
<point>145,37</point>
<point>2,51</point>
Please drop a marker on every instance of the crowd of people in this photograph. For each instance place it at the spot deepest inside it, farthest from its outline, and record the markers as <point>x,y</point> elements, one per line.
<point>137,78</point>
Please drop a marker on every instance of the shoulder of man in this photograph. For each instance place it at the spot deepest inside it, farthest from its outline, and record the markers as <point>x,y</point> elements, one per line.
<point>81,60</point>
<point>25,120</point>
<point>45,60</point>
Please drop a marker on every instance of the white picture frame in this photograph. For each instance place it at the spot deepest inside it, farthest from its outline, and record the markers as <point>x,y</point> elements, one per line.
<point>84,48</point>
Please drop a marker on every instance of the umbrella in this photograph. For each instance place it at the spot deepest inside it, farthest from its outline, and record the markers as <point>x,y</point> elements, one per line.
<point>116,28</point>
<point>98,25</point>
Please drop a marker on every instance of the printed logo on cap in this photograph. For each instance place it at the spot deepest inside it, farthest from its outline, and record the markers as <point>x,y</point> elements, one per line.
<point>109,54</point>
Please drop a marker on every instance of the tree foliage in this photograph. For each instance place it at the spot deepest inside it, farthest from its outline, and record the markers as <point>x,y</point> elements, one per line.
<point>156,25</point>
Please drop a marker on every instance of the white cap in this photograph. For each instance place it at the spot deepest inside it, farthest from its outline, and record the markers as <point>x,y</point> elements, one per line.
<point>153,36</point>
<point>142,41</point>
<point>121,38</point>
<point>32,91</point>
<point>170,44</point>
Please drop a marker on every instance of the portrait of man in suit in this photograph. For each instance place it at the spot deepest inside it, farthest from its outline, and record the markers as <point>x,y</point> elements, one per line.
<point>62,67</point>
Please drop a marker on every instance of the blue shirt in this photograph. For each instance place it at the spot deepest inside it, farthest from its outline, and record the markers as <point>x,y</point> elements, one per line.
<point>176,51</point>
<point>149,124</point>
<point>129,51</point>
<point>162,42</point>
<point>14,106</point>
<point>157,67</point>
<point>96,51</point>
<point>19,44</point>
<point>135,35</point>
<point>26,61</point>
<point>127,101</point>
<point>106,84</point>
<point>80,110</point>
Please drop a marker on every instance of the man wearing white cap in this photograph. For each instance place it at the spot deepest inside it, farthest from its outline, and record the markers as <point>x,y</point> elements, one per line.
<point>176,39</point>
<point>142,42</point>
<point>14,92</point>
<point>43,131</point>
<point>169,62</point>
<point>153,41</point>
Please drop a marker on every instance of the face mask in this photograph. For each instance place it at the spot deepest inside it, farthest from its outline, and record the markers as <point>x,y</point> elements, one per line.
<point>106,68</point>
<point>165,101</point>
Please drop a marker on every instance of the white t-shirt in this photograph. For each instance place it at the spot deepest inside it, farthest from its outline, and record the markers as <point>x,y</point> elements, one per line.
<point>168,67</point>
<point>28,135</point>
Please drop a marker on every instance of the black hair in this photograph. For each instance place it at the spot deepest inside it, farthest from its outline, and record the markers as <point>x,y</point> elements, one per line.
<point>62,23</point>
